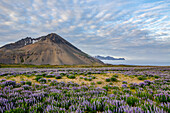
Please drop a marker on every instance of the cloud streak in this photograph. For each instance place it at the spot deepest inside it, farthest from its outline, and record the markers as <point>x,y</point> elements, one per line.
<point>129,29</point>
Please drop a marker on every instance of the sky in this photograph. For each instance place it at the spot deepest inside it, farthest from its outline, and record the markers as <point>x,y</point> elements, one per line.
<point>133,29</point>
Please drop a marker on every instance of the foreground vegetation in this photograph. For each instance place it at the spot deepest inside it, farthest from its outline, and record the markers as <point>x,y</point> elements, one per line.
<point>109,89</point>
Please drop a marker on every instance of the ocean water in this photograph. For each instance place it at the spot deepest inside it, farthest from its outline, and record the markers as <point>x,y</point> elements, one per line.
<point>137,62</point>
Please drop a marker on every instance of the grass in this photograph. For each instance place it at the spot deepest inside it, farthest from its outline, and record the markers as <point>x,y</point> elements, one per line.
<point>98,77</point>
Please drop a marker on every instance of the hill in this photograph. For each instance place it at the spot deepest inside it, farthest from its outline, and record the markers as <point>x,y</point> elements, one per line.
<point>51,49</point>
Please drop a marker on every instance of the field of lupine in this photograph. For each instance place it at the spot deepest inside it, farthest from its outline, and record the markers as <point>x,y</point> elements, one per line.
<point>90,90</point>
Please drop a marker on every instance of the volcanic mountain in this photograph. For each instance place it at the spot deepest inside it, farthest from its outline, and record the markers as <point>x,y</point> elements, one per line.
<point>51,49</point>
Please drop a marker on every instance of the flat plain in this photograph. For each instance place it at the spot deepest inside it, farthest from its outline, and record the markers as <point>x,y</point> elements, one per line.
<point>104,89</point>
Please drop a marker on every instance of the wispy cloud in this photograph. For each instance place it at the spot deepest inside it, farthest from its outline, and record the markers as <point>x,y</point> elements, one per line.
<point>122,28</point>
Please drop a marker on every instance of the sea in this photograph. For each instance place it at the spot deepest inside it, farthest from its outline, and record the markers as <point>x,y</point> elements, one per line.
<point>137,62</point>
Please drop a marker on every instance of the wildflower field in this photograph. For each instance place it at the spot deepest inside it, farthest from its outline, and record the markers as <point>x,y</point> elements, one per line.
<point>90,90</point>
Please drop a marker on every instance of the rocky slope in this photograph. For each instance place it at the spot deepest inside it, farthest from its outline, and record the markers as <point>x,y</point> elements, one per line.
<point>51,49</point>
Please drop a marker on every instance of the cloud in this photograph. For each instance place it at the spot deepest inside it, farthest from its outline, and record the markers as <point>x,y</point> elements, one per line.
<point>130,29</point>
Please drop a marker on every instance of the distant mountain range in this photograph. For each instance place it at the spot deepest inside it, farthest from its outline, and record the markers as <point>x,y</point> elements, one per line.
<point>50,49</point>
<point>108,58</point>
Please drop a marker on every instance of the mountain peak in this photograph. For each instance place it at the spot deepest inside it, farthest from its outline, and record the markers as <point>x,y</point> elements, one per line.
<point>50,49</point>
<point>53,34</point>
<point>54,37</point>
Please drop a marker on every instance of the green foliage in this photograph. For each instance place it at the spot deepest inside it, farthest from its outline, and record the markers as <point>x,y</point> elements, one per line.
<point>38,77</point>
<point>49,76</point>
<point>81,77</point>
<point>113,79</point>
<point>99,82</point>
<point>132,101</point>
<point>142,78</point>
<point>124,82</point>
<point>71,76</point>
<point>115,87</point>
<point>88,78</point>
<point>58,77</point>
<point>42,80</point>
<point>92,83</point>
<point>89,73</point>
<point>62,74</point>
<point>28,75</point>
<point>16,110</point>
<point>115,76</point>
<point>132,76</point>
<point>85,78</point>
<point>127,91</point>
<point>110,83</point>
<point>106,87</point>
<point>82,83</point>
<point>156,76</point>
<point>108,80</point>
<point>22,60</point>
<point>144,95</point>
<point>93,77</point>
<point>162,98</point>
<point>28,83</point>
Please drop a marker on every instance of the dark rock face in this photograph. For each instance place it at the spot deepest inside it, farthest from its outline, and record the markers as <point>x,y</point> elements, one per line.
<point>19,44</point>
<point>51,49</point>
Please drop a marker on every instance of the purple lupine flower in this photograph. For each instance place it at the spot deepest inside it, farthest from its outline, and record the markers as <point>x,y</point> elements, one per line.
<point>124,85</point>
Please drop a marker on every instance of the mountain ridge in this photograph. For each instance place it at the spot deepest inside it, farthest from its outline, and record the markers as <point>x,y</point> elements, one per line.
<point>50,49</point>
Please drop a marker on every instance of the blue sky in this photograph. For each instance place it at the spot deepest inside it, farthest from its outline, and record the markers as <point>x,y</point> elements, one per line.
<point>134,29</point>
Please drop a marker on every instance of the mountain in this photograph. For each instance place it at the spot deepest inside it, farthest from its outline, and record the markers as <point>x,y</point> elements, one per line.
<point>108,58</point>
<point>51,49</point>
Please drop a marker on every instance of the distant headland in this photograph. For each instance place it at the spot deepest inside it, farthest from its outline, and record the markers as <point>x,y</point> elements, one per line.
<point>108,58</point>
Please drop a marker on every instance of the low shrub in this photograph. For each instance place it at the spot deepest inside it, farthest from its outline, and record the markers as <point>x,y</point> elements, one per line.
<point>81,77</point>
<point>93,77</point>
<point>71,76</point>
<point>156,76</point>
<point>110,83</point>
<point>42,80</point>
<point>38,77</point>
<point>108,80</point>
<point>90,76</point>
<point>127,91</point>
<point>99,82</point>
<point>82,83</point>
<point>62,74</point>
<point>113,79</point>
<point>28,83</point>
<point>124,82</point>
<point>133,85</point>
<point>115,76</point>
<point>92,83</point>
<point>141,78</point>
<point>49,76</point>
<point>58,76</point>
<point>106,87</point>
<point>89,79</point>
<point>22,82</point>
